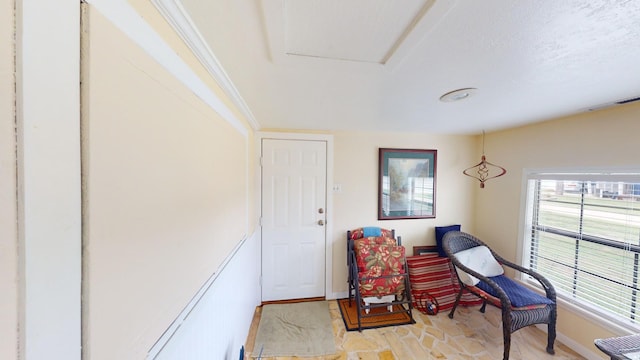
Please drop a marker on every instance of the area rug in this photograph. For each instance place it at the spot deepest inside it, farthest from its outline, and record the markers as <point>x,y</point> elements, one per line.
<point>350,317</point>
<point>298,329</point>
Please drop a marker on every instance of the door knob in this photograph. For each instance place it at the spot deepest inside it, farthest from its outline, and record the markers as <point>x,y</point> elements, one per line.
<point>320,211</point>
<point>320,222</point>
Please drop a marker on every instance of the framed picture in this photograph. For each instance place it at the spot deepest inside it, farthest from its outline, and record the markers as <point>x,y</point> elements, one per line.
<point>423,250</point>
<point>407,184</point>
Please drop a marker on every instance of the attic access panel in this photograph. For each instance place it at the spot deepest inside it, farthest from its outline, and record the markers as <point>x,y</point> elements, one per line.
<point>356,30</point>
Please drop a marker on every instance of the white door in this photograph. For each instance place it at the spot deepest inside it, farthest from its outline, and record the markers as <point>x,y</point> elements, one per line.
<point>294,176</point>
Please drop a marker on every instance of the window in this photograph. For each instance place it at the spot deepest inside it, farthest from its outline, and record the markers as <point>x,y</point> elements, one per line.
<point>582,232</point>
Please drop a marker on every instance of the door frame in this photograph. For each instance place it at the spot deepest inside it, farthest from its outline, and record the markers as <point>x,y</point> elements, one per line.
<point>328,280</point>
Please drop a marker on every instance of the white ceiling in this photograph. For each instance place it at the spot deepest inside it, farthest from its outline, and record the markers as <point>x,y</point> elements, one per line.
<point>381,65</point>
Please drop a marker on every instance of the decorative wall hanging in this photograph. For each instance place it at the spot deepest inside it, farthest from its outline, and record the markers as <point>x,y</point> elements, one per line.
<point>484,170</point>
<point>407,184</point>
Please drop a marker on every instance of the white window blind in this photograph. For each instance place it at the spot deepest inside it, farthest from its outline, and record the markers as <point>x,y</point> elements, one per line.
<point>583,233</point>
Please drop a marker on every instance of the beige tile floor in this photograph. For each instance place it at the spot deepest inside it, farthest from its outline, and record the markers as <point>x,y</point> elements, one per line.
<point>470,335</point>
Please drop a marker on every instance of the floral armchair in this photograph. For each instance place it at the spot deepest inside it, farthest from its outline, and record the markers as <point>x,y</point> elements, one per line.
<point>378,274</point>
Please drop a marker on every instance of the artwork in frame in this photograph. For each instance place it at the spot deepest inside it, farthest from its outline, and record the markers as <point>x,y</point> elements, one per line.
<point>424,250</point>
<point>407,184</point>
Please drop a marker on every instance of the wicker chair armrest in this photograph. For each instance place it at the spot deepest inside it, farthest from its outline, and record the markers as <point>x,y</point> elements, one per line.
<point>544,282</point>
<point>470,240</point>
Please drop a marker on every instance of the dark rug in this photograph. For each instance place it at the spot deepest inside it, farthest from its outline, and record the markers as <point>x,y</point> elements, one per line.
<point>350,316</point>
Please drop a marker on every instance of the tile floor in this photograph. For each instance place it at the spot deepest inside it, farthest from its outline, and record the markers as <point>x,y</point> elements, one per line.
<point>470,335</point>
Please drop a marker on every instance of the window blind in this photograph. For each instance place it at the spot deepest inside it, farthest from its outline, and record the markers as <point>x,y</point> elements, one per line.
<point>583,234</point>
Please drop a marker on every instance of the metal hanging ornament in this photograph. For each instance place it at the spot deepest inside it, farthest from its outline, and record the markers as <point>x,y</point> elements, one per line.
<point>484,170</point>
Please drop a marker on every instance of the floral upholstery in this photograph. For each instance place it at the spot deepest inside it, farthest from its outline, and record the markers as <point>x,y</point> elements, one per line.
<point>385,259</point>
<point>378,275</point>
<point>359,233</point>
<point>377,265</point>
<point>373,240</point>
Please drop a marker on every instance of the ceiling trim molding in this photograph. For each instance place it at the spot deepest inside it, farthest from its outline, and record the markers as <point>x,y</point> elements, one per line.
<point>274,20</point>
<point>428,18</point>
<point>122,15</point>
<point>176,15</point>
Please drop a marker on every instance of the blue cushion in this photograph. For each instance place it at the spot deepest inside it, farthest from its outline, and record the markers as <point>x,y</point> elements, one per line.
<point>519,295</point>
<point>371,231</point>
<point>440,231</point>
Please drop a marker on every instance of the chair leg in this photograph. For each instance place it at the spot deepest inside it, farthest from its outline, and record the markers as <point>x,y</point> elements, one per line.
<point>506,332</point>
<point>483,308</point>
<point>358,301</point>
<point>407,296</point>
<point>352,283</point>
<point>551,333</point>
<point>359,310</point>
<point>507,344</point>
<point>550,341</point>
<point>455,305</point>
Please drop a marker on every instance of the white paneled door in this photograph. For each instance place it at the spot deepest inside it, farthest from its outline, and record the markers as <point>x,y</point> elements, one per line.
<point>294,174</point>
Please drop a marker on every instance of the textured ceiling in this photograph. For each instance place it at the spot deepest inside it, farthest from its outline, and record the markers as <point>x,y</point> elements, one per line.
<point>381,66</point>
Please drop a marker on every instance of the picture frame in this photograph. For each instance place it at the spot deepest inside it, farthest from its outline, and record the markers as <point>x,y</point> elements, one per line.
<point>424,250</point>
<point>407,184</point>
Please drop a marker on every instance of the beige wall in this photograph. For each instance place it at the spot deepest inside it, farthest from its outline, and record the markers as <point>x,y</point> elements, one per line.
<point>8,216</point>
<point>356,170</point>
<point>166,194</point>
<point>154,156</point>
<point>606,138</point>
<point>152,17</point>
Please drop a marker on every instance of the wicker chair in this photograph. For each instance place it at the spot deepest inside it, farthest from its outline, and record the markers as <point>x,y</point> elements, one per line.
<point>503,292</point>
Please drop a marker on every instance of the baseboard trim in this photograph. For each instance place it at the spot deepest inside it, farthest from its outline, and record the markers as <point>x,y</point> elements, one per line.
<point>293,301</point>
<point>338,295</point>
<point>573,345</point>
